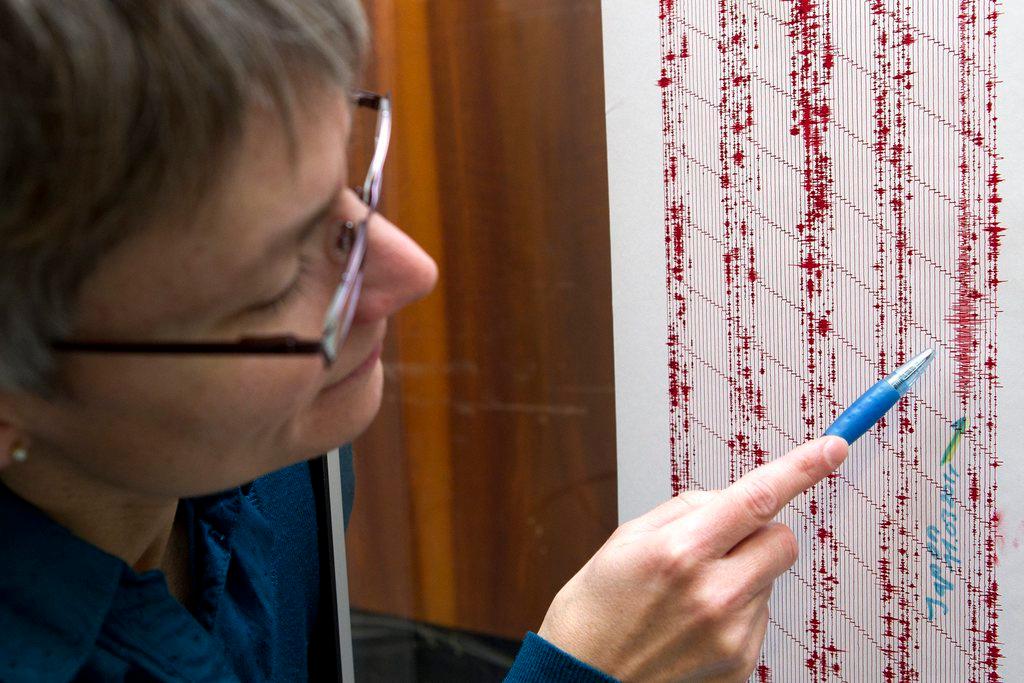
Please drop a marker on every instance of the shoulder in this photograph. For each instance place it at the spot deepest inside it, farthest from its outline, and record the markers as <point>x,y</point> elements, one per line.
<point>55,592</point>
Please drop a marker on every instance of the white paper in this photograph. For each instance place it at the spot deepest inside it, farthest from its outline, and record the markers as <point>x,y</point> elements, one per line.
<point>801,197</point>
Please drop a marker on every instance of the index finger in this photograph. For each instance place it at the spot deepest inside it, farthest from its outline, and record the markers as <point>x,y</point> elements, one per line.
<point>760,494</point>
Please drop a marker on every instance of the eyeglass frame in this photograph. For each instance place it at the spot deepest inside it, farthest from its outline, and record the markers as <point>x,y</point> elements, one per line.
<point>337,321</point>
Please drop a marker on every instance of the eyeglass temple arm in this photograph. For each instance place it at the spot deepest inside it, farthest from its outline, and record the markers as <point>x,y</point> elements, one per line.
<point>365,98</point>
<point>280,345</point>
<point>382,139</point>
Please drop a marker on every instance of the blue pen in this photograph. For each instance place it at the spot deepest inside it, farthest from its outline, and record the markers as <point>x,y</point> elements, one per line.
<point>876,401</point>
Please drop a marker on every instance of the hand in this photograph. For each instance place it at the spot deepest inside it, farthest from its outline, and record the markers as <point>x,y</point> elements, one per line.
<point>681,593</point>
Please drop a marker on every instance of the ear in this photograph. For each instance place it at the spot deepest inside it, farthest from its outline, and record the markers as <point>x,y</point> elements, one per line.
<point>8,441</point>
<point>11,435</point>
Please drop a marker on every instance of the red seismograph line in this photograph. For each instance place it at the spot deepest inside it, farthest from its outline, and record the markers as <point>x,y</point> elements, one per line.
<point>768,126</point>
<point>810,79</point>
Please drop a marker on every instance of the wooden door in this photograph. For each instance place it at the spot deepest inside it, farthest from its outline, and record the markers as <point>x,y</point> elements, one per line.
<point>489,477</point>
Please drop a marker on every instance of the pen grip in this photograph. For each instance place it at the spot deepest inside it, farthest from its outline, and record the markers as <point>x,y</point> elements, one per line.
<point>864,412</point>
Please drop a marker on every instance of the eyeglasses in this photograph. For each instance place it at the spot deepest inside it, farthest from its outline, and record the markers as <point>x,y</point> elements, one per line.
<point>338,321</point>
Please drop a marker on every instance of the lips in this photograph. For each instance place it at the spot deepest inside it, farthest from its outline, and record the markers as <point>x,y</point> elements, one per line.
<point>367,364</point>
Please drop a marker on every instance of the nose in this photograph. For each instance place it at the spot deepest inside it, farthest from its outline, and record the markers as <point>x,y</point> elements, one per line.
<point>396,272</point>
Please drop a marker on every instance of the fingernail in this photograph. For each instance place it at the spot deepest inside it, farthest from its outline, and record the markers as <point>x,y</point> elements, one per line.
<point>834,450</point>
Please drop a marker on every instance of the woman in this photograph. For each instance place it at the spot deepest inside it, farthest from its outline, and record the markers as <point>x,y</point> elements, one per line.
<point>174,227</point>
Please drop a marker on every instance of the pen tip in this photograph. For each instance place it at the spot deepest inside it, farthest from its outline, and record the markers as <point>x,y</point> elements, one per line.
<point>920,362</point>
<point>908,373</point>
<point>923,357</point>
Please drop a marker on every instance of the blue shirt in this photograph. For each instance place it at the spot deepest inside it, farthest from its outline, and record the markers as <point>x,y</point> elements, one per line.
<point>70,611</point>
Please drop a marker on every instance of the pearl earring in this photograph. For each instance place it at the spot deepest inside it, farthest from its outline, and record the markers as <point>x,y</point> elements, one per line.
<point>19,454</point>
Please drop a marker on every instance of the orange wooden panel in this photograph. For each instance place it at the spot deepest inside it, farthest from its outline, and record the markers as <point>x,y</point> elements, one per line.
<point>495,448</point>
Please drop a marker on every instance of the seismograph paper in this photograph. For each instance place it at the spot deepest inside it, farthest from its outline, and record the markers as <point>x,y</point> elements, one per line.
<point>804,194</point>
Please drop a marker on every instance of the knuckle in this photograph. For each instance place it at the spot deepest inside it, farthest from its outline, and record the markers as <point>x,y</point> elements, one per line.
<point>675,561</point>
<point>717,605</point>
<point>789,548</point>
<point>761,497</point>
<point>623,529</point>
<point>730,650</point>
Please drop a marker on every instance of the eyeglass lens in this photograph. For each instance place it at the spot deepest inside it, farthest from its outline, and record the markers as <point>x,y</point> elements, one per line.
<point>370,137</point>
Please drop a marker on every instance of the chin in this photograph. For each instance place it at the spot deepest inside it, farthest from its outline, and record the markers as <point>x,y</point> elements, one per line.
<point>340,414</point>
<point>365,411</point>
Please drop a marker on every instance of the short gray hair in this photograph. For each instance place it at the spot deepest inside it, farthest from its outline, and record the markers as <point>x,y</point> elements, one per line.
<point>114,110</point>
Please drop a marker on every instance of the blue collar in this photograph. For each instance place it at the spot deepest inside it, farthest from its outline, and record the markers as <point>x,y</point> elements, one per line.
<point>57,590</point>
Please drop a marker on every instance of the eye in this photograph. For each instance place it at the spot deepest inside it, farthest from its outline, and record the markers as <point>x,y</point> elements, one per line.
<point>346,241</point>
<point>291,292</point>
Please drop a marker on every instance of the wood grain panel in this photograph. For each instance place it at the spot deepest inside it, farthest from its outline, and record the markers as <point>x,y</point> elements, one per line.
<point>489,478</point>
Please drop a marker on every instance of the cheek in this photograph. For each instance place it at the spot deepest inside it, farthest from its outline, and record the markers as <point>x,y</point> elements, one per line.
<point>187,427</point>
<point>220,398</point>
<point>268,390</point>
<point>190,427</point>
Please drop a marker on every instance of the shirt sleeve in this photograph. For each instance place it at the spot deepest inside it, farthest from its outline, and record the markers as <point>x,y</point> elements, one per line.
<point>538,660</point>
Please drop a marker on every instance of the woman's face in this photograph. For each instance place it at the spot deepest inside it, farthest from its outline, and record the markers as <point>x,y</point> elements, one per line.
<point>171,425</point>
